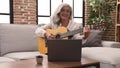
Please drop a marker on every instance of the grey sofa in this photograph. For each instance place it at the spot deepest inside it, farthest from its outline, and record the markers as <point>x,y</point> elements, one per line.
<point>108,55</point>
<point>17,42</point>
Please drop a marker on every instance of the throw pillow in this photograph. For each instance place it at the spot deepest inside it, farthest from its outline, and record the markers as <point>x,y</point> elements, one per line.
<point>94,39</point>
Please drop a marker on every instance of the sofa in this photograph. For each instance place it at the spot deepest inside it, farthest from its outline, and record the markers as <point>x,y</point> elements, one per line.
<point>19,42</point>
<point>108,55</point>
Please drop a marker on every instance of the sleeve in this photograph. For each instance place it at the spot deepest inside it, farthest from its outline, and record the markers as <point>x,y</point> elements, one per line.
<point>40,31</point>
<point>78,36</point>
<point>75,27</point>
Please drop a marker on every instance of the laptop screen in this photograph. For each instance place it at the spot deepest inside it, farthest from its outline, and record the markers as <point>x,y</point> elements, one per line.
<point>64,50</point>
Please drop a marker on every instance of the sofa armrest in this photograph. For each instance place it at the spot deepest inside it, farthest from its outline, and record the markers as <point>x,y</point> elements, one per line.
<point>17,38</point>
<point>111,44</point>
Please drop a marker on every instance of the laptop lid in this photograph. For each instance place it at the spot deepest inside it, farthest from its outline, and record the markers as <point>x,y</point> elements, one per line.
<point>64,50</point>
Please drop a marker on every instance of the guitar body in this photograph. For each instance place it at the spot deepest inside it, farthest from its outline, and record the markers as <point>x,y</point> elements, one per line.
<point>42,41</point>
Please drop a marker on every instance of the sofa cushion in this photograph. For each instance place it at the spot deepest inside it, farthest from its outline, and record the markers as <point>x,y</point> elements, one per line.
<point>102,54</point>
<point>5,59</point>
<point>94,39</point>
<point>116,45</point>
<point>16,37</point>
<point>111,44</point>
<point>22,55</point>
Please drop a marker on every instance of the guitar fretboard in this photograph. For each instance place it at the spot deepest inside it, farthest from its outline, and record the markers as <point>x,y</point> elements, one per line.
<point>70,33</point>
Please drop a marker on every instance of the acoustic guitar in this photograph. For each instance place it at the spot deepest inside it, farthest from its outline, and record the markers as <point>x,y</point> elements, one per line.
<point>60,33</point>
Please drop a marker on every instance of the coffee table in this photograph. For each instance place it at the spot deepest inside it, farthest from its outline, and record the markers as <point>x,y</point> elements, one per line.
<point>33,64</point>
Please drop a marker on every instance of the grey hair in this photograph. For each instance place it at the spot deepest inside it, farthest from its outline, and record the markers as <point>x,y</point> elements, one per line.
<point>55,18</point>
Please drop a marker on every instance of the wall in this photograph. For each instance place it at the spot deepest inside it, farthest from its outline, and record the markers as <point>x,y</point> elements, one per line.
<point>24,11</point>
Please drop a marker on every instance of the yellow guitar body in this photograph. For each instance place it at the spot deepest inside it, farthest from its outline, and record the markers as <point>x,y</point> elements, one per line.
<point>41,40</point>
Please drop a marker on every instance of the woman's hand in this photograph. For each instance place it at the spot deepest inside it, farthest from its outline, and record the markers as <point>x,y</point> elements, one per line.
<point>86,31</point>
<point>49,36</point>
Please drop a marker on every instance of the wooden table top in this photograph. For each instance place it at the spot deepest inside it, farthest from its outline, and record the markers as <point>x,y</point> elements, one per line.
<point>33,64</point>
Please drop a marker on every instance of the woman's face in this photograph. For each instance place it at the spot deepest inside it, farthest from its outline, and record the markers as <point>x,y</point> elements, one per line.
<point>65,13</point>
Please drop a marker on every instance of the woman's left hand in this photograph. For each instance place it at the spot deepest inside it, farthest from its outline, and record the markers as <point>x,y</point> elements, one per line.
<point>86,31</point>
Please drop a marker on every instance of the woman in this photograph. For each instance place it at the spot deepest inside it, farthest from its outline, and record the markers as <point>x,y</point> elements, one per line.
<point>62,18</point>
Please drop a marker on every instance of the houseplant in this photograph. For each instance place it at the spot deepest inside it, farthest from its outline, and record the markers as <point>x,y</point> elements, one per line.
<point>99,15</point>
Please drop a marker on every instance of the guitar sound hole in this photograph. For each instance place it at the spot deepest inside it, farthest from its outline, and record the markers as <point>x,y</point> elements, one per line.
<point>57,36</point>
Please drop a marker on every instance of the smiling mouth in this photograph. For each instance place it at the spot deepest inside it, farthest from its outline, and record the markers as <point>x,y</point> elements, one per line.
<point>64,15</point>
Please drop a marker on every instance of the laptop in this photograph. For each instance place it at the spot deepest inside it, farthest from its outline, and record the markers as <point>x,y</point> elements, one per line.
<point>64,50</point>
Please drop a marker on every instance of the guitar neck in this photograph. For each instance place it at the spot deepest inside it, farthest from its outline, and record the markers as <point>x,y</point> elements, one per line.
<point>72,33</point>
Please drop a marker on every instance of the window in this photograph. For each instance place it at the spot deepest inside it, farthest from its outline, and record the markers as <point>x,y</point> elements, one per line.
<point>5,11</point>
<point>47,7</point>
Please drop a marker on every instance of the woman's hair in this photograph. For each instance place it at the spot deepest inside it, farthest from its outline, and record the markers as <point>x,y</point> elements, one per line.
<point>55,18</point>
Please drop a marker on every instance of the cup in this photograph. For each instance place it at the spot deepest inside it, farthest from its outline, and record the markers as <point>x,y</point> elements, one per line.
<point>39,59</point>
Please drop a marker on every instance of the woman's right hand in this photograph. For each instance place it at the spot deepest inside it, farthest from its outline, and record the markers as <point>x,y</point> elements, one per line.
<point>49,36</point>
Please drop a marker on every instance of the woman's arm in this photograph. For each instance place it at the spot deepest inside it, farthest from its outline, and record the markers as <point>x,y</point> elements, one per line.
<point>40,31</point>
<point>86,32</point>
